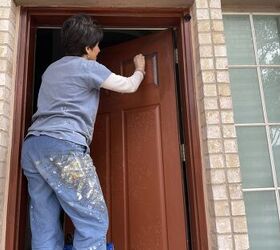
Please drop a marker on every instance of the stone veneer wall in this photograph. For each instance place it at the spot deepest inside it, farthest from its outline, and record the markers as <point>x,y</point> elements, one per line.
<point>8,38</point>
<point>225,205</point>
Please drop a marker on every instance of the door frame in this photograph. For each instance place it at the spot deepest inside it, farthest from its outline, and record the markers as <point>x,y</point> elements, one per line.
<point>33,17</point>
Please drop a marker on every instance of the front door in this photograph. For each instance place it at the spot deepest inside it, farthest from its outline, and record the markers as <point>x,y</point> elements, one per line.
<point>136,150</point>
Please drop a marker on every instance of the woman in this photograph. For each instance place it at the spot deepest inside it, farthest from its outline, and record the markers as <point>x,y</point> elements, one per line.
<point>55,154</point>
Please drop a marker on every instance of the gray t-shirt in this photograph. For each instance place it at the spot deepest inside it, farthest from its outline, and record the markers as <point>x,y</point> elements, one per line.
<point>68,99</point>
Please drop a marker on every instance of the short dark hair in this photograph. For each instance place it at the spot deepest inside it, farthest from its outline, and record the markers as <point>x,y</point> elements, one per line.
<point>78,32</point>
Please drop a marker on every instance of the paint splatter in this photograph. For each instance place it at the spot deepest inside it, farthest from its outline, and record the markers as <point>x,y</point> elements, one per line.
<point>76,170</point>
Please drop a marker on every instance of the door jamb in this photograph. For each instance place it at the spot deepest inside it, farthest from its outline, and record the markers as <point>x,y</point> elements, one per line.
<point>152,17</point>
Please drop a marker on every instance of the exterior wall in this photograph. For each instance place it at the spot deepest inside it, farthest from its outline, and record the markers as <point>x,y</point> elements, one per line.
<point>225,205</point>
<point>8,31</point>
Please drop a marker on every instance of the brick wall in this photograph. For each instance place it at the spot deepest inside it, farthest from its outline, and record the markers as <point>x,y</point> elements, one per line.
<point>8,24</point>
<point>225,205</point>
<point>226,212</point>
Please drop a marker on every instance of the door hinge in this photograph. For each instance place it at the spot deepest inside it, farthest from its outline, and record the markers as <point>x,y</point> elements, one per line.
<point>183,152</point>
<point>176,56</point>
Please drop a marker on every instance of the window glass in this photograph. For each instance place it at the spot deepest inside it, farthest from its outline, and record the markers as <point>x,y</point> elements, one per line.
<point>246,96</point>
<point>254,157</point>
<point>239,40</point>
<point>267,30</point>
<point>275,143</point>
<point>271,88</point>
<point>262,220</point>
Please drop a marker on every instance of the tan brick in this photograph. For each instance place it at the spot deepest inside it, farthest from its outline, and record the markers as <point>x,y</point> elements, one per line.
<point>6,3</point>
<point>216,161</point>
<point>208,77</point>
<point>237,207</point>
<point>210,90</point>
<point>225,242</point>
<point>203,26</point>
<point>206,63</point>
<point>229,131</point>
<point>235,191</point>
<point>241,241</point>
<point>221,208</point>
<point>204,38</point>
<point>217,176</point>
<point>5,79</point>
<point>210,103</point>
<point>219,192</point>
<point>8,26</point>
<point>213,132</point>
<point>4,93</point>
<point>216,14</point>
<point>2,185</point>
<point>215,4</point>
<point>233,175</point>
<point>220,50</point>
<point>4,108</point>
<point>214,146</point>
<point>225,102</point>
<point>212,117</point>
<point>201,3</point>
<point>217,25</point>
<point>202,14</point>
<point>230,146</point>
<point>227,116</point>
<point>4,25</point>
<point>6,66</point>
<point>3,152</point>
<point>6,38</point>
<point>4,123</point>
<point>218,38</point>
<point>220,152</point>
<point>5,51</point>
<point>4,139</point>
<point>205,51</point>
<point>223,225</point>
<point>224,89</point>
<point>232,161</point>
<point>3,166</point>
<point>221,63</point>
<point>6,13</point>
<point>239,224</point>
<point>222,76</point>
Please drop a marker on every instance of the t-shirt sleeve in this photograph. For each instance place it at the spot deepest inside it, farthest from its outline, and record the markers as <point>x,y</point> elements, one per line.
<point>96,74</point>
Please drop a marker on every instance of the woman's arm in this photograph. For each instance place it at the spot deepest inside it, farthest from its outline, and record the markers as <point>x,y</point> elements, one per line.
<point>127,84</point>
<point>123,84</point>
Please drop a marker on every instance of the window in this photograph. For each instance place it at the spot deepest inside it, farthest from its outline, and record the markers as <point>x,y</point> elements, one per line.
<point>253,45</point>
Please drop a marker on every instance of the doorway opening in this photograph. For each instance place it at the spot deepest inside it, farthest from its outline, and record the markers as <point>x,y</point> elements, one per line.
<point>48,49</point>
<point>168,217</point>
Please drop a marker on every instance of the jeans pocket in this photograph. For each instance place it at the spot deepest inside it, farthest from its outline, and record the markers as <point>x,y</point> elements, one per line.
<point>74,146</point>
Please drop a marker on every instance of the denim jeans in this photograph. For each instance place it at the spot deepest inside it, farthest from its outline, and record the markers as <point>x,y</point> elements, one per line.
<point>61,174</point>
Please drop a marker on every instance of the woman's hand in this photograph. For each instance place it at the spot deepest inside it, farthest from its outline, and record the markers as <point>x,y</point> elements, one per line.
<point>139,62</point>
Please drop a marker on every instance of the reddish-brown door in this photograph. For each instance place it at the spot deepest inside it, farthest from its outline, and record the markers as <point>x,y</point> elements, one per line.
<point>136,150</point>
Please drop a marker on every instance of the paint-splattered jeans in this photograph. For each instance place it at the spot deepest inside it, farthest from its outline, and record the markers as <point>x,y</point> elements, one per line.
<point>61,174</point>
